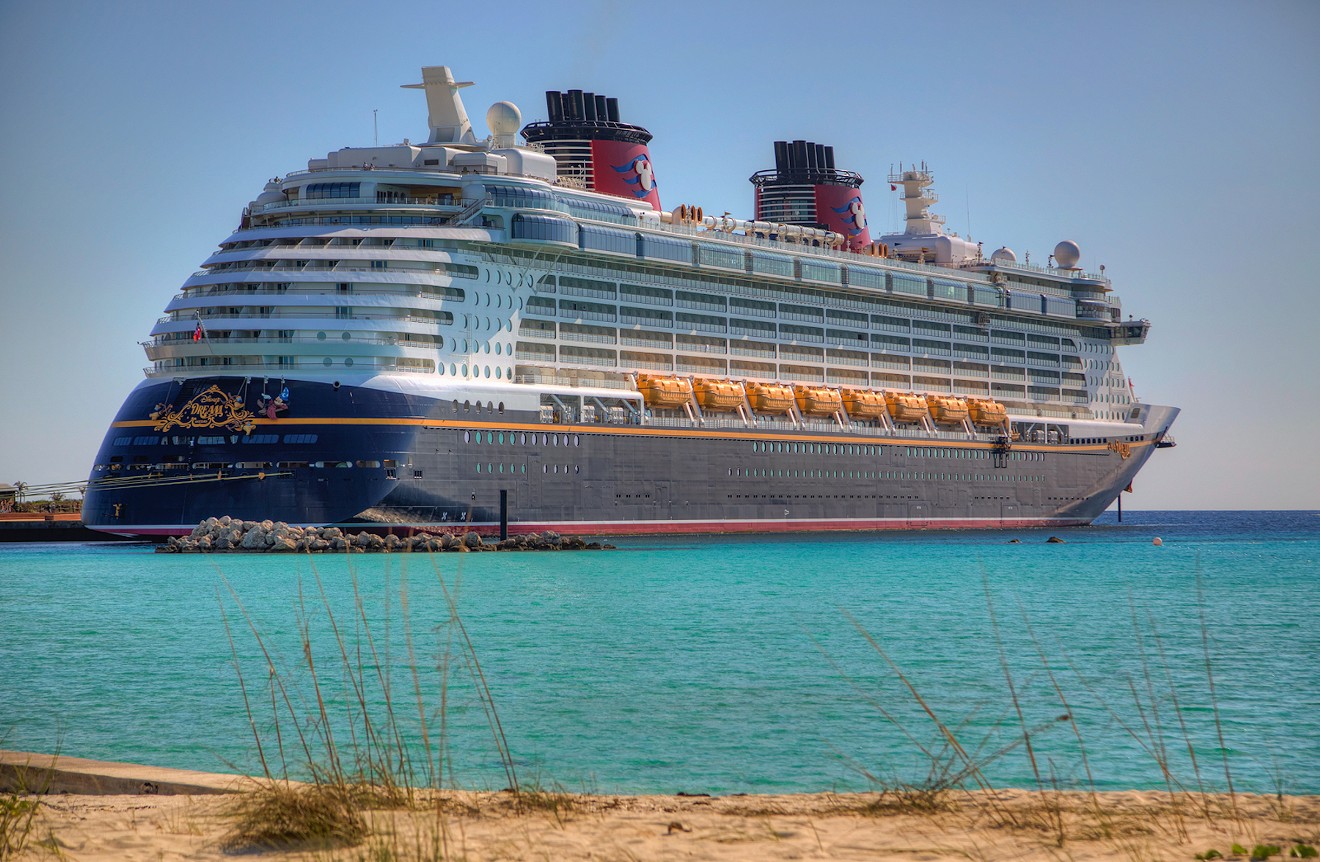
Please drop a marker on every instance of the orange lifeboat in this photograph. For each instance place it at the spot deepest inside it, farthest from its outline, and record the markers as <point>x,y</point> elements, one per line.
<point>864,404</point>
<point>719,395</point>
<point>906,406</point>
<point>664,392</point>
<point>946,409</point>
<point>770,397</point>
<point>984,412</point>
<point>818,401</point>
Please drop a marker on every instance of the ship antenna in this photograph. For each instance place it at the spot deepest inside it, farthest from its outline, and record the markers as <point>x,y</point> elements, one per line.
<point>375,128</point>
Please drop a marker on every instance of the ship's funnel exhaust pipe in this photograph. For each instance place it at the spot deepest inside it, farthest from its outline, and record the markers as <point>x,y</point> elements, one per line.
<point>805,188</point>
<point>615,159</point>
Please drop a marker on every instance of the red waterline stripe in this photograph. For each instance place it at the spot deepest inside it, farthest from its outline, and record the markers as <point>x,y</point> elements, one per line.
<point>674,528</point>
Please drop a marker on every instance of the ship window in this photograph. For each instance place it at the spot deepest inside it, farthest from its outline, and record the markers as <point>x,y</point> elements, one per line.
<point>417,474</point>
<point>467,405</point>
<point>326,191</point>
<point>261,438</point>
<point>300,438</point>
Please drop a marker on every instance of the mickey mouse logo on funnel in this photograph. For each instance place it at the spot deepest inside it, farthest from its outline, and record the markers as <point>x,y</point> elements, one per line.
<point>625,170</point>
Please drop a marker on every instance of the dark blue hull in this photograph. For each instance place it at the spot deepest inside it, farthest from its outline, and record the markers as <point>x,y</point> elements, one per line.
<point>391,460</point>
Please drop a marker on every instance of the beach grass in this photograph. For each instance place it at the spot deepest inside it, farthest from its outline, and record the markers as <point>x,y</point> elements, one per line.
<point>352,757</point>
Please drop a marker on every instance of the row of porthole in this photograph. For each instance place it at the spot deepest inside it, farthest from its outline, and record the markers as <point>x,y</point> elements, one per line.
<point>490,407</point>
<point>477,370</point>
<point>758,473</point>
<point>521,438</point>
<point>522,468</point>
<point>972,454</point>
<point>815,448</point>
<point>474,321</point>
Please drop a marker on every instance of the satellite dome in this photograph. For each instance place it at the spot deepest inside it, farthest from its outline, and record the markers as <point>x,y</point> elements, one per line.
<point>503,118</point>
<point>1067,253</point>
<point>1003,254</point>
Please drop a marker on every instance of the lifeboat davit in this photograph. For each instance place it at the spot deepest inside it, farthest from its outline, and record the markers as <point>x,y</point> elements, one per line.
<point>906,406</point>
<point>946,409</point>
<point>985,412</point>
<point>818,401</point>
<point>770,397</point>
<point>864,403</point>
<point>664,392</point>
<point>719,395</point>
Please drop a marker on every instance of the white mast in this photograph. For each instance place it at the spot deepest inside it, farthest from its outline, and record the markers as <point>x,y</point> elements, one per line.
<point>448,120</point>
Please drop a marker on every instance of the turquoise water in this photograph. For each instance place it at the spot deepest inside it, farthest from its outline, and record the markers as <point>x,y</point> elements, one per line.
<point>710,665</point>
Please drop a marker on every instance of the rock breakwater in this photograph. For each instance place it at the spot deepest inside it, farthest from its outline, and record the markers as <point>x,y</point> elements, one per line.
<point>226,534</point>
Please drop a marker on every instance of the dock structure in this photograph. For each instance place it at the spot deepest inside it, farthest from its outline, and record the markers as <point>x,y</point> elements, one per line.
<point>50,527</point>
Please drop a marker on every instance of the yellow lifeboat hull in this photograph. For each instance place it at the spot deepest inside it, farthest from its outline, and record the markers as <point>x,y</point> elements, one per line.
<point>986,412</point>
<point>719,395</point>
<point>905,406</point>
<point>864,404</point>
<point>770,397</point>
<point>813,401</point>
<point>664,392</point>
<point>947,410</point>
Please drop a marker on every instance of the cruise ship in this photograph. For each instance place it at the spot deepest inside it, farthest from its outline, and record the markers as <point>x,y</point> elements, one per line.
<point>512,333</point>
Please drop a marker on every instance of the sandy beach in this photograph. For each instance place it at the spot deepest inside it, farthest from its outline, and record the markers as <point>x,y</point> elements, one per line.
<point>87,815</point>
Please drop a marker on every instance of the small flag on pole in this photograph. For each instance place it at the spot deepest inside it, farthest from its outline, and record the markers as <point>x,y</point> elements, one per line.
<point>1128,488</point>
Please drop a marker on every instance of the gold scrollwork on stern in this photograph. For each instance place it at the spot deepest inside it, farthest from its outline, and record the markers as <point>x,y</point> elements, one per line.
<point>210,408</point>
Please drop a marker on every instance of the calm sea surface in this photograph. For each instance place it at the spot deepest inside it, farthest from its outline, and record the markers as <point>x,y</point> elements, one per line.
<point>702,665</point>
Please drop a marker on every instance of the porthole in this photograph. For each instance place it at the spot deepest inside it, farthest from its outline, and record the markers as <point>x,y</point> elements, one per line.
<point>320,336</point>
<point>348,363</point>
<point>499,372</point>
<point>467,405</point>
<point>347,336</point>
<point>467,436</point>
<point>327,362</point>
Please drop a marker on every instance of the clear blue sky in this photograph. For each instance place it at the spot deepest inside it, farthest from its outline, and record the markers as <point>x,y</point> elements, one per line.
<point>1177,142</point>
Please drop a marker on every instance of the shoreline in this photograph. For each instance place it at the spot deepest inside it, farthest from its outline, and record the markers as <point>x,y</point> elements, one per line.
<point>109,810</point>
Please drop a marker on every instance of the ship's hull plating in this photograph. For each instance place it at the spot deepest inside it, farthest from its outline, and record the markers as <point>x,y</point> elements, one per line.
<point>364,456</point>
